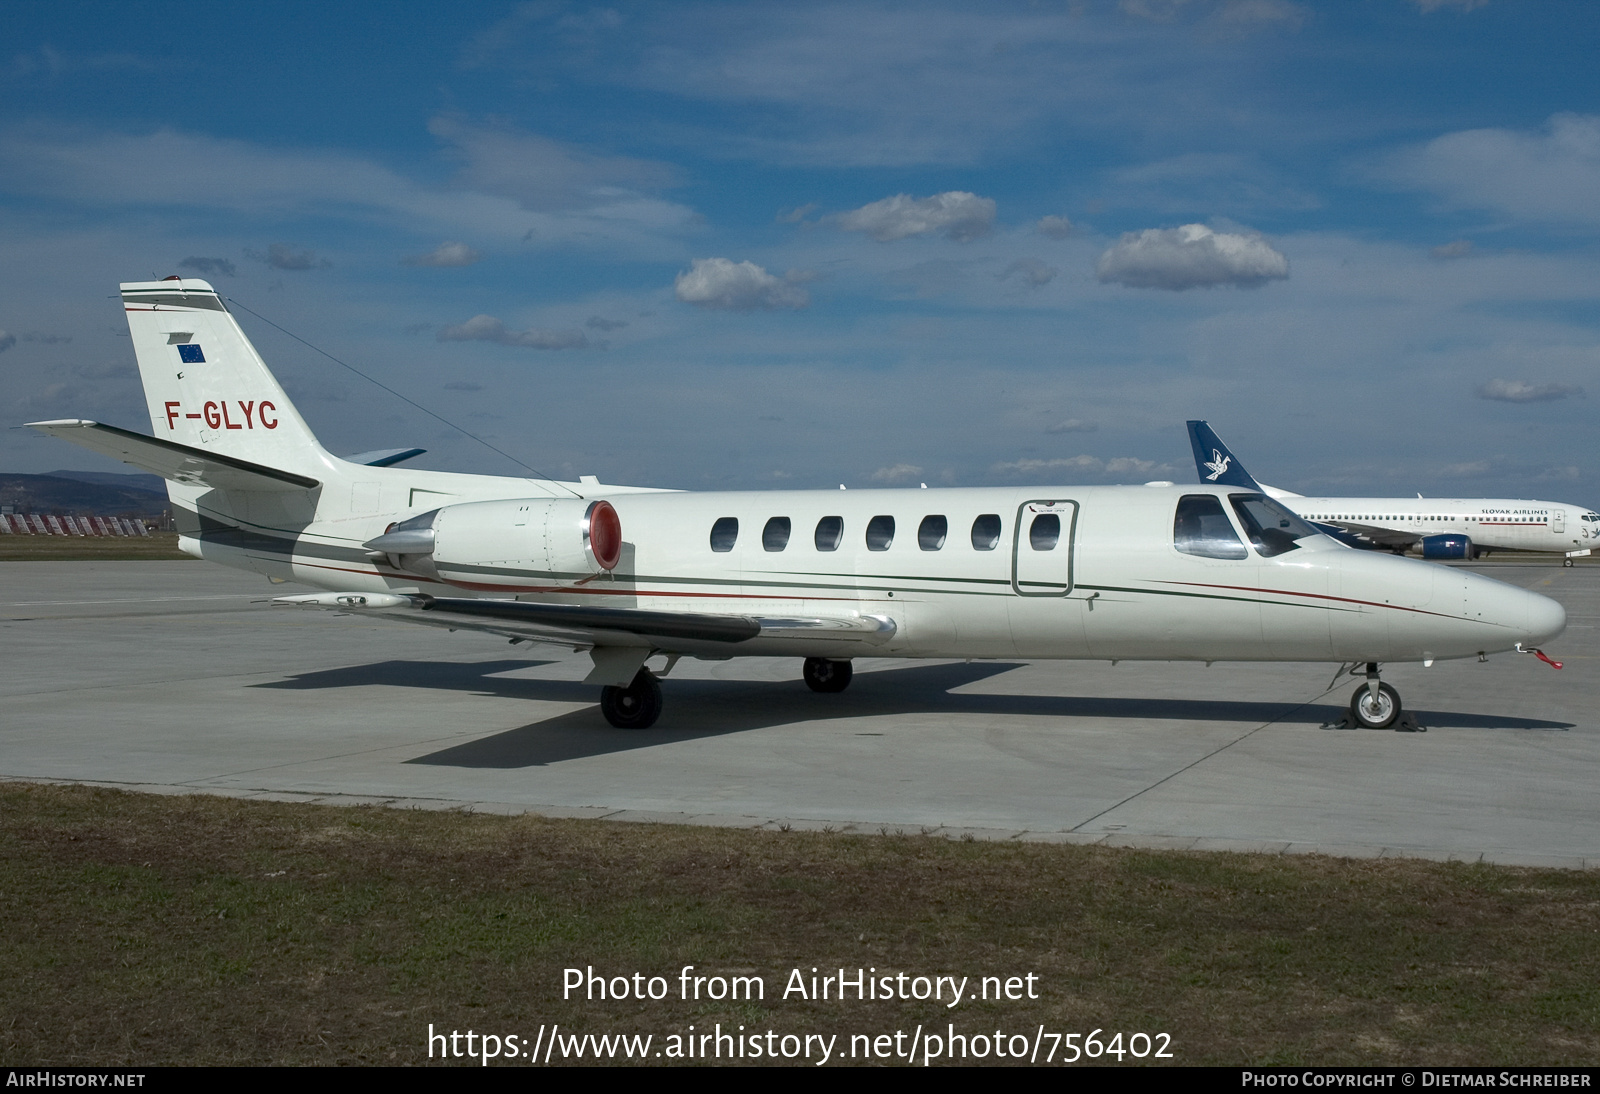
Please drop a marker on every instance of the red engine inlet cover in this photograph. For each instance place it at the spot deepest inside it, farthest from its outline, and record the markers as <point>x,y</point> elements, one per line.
<point>602,534</point>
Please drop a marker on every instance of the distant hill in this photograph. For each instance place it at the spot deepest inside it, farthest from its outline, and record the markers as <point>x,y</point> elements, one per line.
<point>54,493</point>
<point>154,483</point>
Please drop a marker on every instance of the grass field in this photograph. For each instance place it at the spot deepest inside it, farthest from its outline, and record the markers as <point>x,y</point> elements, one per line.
<point>143,930</point>
<point>157,546</point>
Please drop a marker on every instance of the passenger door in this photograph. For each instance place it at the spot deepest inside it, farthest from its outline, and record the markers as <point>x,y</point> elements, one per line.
<point>1041,548</point>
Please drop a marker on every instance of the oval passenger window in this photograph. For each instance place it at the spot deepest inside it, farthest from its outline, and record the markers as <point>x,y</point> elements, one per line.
<point>880,533</point>
<point>931,533</point>
<point>1045,532</point>
<point>830,530</point>
<point>724,534</point>
<point>986,532</point>
<point>775,536</point>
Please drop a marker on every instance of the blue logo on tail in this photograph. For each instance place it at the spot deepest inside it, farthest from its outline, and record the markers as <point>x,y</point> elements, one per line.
<point>189,353</point>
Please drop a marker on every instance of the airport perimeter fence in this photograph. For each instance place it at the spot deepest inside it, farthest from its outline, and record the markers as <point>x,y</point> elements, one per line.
<point>32,524</point>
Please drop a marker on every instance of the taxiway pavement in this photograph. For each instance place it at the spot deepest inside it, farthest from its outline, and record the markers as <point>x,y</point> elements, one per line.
<point>178,677</point>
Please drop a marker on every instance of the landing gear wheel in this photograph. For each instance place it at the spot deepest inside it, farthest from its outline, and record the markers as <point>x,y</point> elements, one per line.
<point>636,706</point>
<point>1566,562</point>
<point>824,675</point>
<point>1379,713</point>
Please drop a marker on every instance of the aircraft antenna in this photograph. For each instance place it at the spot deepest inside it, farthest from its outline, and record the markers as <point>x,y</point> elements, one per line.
<point>432,414</point>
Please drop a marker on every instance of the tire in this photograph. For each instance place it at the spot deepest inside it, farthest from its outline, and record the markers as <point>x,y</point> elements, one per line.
<point>1380,715</point>
<point>827,676</point>
<point>636,706</point>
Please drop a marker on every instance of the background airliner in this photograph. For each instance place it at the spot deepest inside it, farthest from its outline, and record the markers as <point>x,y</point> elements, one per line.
<point>1207,573</point>
<point>1436,527</point>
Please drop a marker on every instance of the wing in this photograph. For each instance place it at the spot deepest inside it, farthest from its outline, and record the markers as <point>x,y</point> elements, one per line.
<point>582,626</point>
<point>1382,537</point>
<point>171,460</point>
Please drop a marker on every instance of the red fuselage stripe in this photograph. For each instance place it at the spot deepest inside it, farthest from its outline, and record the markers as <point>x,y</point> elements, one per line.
<point>1313,596</point>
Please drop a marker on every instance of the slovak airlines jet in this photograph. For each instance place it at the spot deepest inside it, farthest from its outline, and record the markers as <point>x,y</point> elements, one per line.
<point>1207,573</point>
<point>1436,527</point>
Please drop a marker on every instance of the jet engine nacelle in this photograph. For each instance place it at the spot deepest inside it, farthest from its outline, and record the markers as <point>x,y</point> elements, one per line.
<point>570,538</point>
<point>1447,546</point>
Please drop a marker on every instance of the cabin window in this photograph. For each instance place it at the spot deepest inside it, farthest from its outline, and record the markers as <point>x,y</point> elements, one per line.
<point>986,532</point>
<point>1201,527</point>
<point>880,533</point>
<point>931,533</point>
<point>775,536</point>
<point>1271,527</point>
<point>1045,532</point>
<point>830,530</point>
<point>724,534</point>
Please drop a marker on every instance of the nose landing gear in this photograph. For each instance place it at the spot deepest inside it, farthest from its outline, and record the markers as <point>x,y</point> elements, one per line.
<point>1376,705</point>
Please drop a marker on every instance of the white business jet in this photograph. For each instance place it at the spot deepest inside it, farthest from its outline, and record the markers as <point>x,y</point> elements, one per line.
<point>1079,572</point>
<point>1437,528</point>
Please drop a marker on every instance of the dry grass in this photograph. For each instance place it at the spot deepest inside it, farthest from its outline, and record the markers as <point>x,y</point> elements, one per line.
<point>145,930</point>
<point>158,546</point>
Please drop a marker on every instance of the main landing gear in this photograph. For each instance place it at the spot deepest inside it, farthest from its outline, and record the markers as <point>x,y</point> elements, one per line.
<point>636,706</point>
<point>824,675</point>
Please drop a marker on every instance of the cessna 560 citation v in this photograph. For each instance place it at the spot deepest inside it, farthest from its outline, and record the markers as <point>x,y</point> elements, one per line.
<point>1208,573</point>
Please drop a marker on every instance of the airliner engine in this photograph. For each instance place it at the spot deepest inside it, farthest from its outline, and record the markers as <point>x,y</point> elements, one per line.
<point>571,538</point>
<point>1449,545</point>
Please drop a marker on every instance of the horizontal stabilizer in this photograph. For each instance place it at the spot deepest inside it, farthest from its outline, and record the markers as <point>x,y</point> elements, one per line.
<point>385,457</point>
<point>174,461</point>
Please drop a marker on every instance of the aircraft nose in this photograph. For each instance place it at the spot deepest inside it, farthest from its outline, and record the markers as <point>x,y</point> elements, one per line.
<point>1520,617</point>
<point>1545,620</point>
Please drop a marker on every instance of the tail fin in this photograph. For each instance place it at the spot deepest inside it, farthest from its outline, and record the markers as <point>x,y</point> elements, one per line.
<point>1214,463</point>
<point>206,385</point>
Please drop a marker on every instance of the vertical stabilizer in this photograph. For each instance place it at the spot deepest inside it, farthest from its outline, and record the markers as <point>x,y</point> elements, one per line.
<point>206,385</point>
<point>1214,463</point>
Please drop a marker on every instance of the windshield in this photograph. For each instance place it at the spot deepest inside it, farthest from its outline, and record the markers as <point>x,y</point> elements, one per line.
<point>1272,528</point>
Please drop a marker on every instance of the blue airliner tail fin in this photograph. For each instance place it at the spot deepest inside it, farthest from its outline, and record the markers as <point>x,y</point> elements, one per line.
<point>1214,463</point>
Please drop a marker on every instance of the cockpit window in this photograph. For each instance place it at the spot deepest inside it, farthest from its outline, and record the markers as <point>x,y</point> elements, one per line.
<point>1272,528</point>
<point>1201,528</point>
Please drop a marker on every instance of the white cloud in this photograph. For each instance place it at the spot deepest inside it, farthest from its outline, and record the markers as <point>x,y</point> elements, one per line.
<point>900,472</point>
<point>445,254</point>
<point>1030,270</point>
<point>540,173</point>
<point>1190,257</point>
<point>486,328</point>
<point>1053,227</point>
<point>1551,175</point>
<point>956,214</point>
<point>740,286</point>
<point>497,192</point>
<point>1072,425</point>
<point>1520,391</point>
<point>1081,465</point>
<point>7,340</point>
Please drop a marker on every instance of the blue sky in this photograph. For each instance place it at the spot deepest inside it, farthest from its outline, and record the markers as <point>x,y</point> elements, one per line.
<point>742,245</point>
